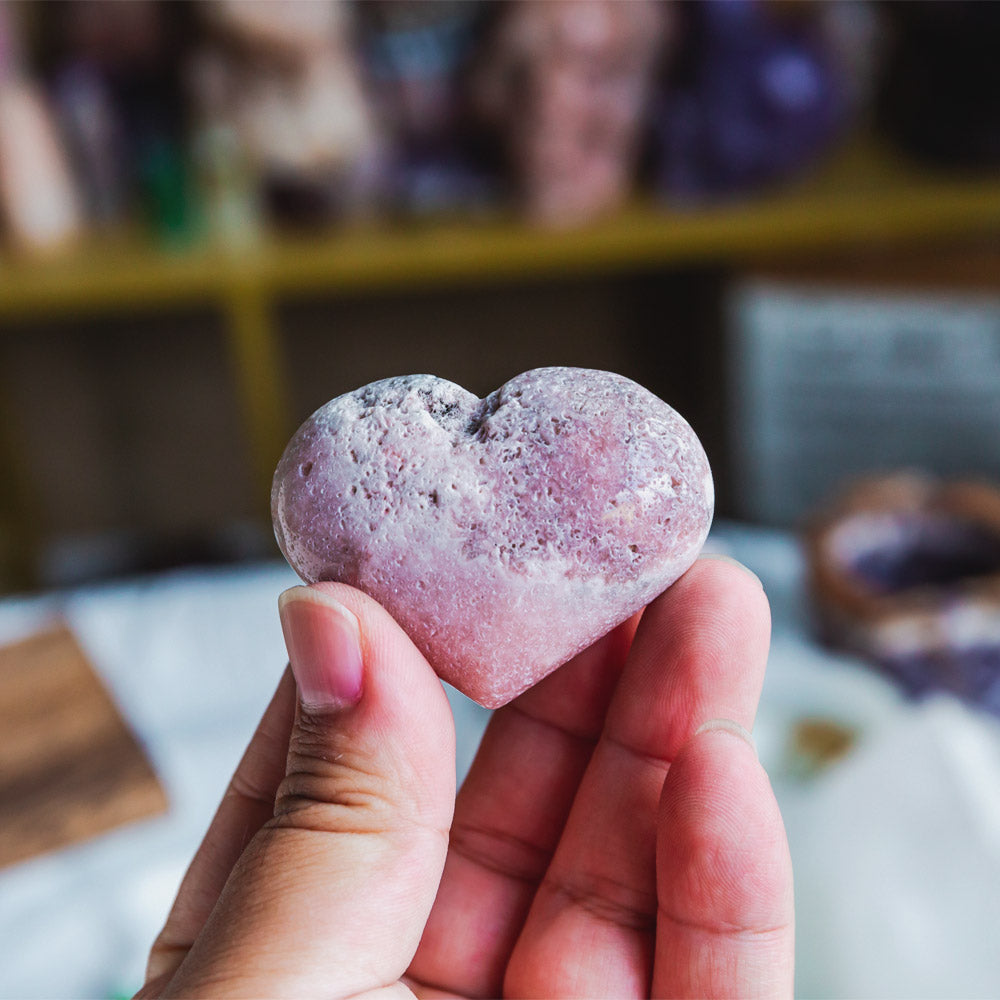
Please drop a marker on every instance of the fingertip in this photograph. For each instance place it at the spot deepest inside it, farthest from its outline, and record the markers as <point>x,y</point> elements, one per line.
<point>392,660</point>
<point>323,639</point>
<point>401,693</point>
<point>721,560</point>
<point>714,587</point>
<point>371,616</point>
<point>700,652</point>
<point>715,573</point>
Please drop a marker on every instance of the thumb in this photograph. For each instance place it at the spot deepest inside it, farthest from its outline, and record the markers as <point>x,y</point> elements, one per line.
<point>332,895</point>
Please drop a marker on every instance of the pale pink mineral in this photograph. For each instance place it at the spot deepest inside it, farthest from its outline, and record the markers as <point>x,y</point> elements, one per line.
<point>504,534</point>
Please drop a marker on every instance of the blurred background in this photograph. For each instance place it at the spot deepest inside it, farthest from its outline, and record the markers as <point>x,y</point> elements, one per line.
<point>782,217</point>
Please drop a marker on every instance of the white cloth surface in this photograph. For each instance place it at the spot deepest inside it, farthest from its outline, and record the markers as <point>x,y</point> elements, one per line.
<point>896,847</point>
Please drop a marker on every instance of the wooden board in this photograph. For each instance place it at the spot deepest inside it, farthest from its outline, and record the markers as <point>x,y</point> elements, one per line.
<point>69,765</point>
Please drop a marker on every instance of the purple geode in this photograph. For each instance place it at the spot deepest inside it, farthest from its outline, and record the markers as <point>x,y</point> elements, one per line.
<point>904,570</point>
<point>755,99</point>
<point>504,534</point>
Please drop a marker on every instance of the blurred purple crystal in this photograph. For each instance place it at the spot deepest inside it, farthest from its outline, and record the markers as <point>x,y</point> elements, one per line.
<point>753,97</point>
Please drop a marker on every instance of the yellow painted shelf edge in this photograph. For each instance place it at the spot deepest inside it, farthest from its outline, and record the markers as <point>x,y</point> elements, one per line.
<point>863,197</point>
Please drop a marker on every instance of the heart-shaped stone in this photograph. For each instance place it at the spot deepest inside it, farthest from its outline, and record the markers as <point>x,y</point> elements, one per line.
<point>504,534</point>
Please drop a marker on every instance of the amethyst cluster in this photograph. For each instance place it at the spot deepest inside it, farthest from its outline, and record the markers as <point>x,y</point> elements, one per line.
<point>906,572</point>
<point>753,98</point>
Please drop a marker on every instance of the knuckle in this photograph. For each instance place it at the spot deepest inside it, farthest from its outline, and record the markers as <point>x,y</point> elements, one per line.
<point>501,852</point>
<point>608,899</point>
<point>332,785</point>
<point>337,783</point>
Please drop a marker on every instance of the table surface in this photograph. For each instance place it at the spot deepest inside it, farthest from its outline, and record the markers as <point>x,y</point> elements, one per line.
<point>895,845</point>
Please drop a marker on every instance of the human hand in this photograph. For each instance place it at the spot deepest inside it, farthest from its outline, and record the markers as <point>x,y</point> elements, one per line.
<point>613,837</point>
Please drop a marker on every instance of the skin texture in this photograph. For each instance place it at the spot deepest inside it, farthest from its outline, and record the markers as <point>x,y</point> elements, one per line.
<point>503,534</point>
<point>605,843</point>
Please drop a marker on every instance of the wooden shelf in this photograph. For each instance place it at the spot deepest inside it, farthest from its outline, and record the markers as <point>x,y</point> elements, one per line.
<point>863,197</point>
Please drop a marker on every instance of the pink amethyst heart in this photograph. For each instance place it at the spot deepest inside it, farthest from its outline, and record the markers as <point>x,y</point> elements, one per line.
<point>504,534</point>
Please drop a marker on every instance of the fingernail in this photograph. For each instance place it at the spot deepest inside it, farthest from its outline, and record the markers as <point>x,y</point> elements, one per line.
<point>722,557</point>
<point>727,726</point>
<point>324,648</point>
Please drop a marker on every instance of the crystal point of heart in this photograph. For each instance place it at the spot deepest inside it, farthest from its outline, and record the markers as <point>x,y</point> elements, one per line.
<point>504,534</point>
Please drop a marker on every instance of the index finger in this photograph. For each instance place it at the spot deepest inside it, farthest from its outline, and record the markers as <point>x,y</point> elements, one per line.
<point>509,816</point>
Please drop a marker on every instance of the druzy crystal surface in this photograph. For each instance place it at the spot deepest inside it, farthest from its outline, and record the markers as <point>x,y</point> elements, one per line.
<point>504,534</point>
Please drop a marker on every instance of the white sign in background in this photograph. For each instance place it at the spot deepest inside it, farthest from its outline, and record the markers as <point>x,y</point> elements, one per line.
<point>831,384</point>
